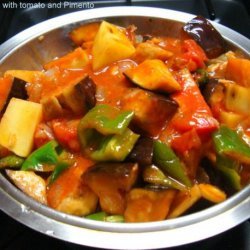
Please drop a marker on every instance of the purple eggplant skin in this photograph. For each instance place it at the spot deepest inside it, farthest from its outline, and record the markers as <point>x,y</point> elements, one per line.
<point>204,33</point>
<point>18,90</point>
<point>87,88</point>
<point>142,152</point>
<point>212,86</point>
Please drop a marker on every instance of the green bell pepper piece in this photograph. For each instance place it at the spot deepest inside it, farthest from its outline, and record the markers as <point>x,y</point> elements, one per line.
<point>59,168</point>
<point>165,158</point>
<point>115,147</point>
<point>102,216</point>
<point>104,135</point>
<point>12,161</point>
<point>228,142</point>
<point>155,176</point>
<point>229,169</point>
<point>46,154</point>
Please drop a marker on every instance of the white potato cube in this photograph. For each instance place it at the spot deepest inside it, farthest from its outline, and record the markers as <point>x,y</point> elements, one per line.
<point>18,126</point>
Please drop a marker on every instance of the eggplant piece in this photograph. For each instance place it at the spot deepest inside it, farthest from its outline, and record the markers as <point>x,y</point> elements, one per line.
<point>203,32</point>
<point>30,183</point>
<point>76,99</point>
<point>151,111</point>
<point>84,33</point>
<point>142,152</point>
<point>18,90</point>
<point>153,74</point>
<point>213,91</point>
<point>110,182</point>
<point>88,89</point>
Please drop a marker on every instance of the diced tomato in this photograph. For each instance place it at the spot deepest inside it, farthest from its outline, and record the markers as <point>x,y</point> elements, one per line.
<point>193,54</point>
<point>187,141</point>
<point>66,133</point>
<point>193,110</point>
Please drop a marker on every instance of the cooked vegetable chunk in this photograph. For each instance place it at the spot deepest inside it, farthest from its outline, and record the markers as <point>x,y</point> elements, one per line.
<point>228,142</point>
<point>69,194</point>
<point>154,175</point>
<point>84,33</point>
<point>230,171</point>
<point>29,76</point>
<point>238,70</point>
<point>153,75</point>
<point>147,205</point>
<point>142,153</point>
<point>149,50</point>
<point>212,193</point>
<point>203,32</point>
<point>18,126</point>
<point>111,182</point>
<point>74,60</point>
<point>104,135</point>
<point>75,98</point>
<point>11,161</point>
<point>5,87</point>
<point>237,98</point>
<point>184,200</point>
<point>46,154</point>
<point>151,112</point>
<point>110,44</point>
<point>30,183</point>
<point>165,158</point>
<point>193,112</point>
<point>11,87</point>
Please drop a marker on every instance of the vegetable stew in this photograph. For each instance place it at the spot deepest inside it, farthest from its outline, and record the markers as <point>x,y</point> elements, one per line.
<point>130,127</point>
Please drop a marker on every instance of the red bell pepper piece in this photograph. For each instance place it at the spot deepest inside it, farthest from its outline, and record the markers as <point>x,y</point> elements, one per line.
<point>193,54</point>
<point>193,113</point>
<point>193,122</point>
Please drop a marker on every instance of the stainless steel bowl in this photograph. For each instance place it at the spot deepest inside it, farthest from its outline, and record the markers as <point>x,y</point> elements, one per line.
<point>41,43</point>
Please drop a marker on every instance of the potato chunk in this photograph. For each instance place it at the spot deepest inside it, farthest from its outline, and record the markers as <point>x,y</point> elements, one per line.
<point>238,70</point>
<point>110,44</point>
<point>237,98</point>
<point>18,126</point>
<point>148,205</point>
<point>69,194</point>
